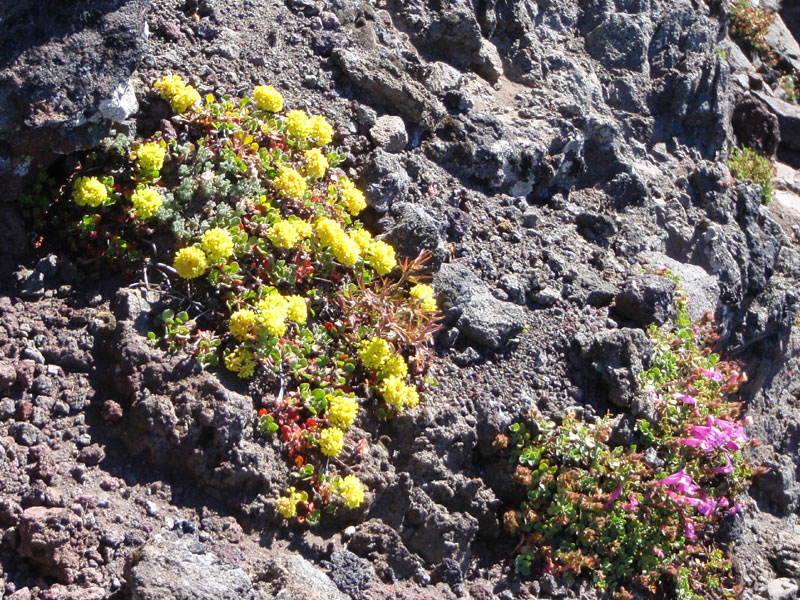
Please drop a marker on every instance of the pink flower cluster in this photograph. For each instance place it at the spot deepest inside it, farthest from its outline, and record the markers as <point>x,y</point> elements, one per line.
<point>685,491</point>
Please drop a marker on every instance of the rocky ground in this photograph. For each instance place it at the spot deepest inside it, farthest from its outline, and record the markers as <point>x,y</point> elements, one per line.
<point>547,152</point>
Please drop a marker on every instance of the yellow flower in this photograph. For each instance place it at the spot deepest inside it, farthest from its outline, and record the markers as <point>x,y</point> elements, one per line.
<point>272,312</point>
<point>290,183</point>
<point>397,394</point>
<point>374,352</point>
<point>351,491</point>
<point>316,163</point>
<point>146,202</point>
<point>268,98</point>
<point>283,235</point>
<point>190,262</point>
<point>150,157</point>
<point>217,244</point>
<point>329,232</point>
<point>351,197</point>
<point>287,506</point>
<point>296,309</point>
<point>241,361</point>
<point>169,85</point>
<point>346,251</point>
<point>362,237</point>
<point>303,228</point>
<point>242,324</point>
<point>89,191</point>
<point>185,99</point>
<point>381,257</point>
<point>395,366</point>
<point>298,124</point>
<point>321,130</point>
<point>331,441</point>
<point>424,295</point>
<point>342,411</point>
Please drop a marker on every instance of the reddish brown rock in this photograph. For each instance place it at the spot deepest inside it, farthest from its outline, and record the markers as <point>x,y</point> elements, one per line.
<point>53,538</point>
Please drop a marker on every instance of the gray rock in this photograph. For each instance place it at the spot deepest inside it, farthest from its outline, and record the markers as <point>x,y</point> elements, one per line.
<point>442,78</point>
<point>8,375</point>
<point>387,180</point>
<point>171,568</point>
<point>788,119</point>
<point>120,105</point>
<point>489,65</point>
<point>482,318</point>
<point>782,589</point>
<point>701,288</point>
<point>389,133</point>
<point>26,434</point>
<point>616,358</point>
<point>415,230</point>
<point>647,299</point>
<point>782,43</point>
<point>756,127</point>
<point>351,574</point>
<point>295,578</point>
<point>618,42</point>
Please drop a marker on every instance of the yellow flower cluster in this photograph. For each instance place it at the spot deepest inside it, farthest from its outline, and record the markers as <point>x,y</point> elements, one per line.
<point>381,257</point>
<point>181,96</point>
<point>331,235</point>
<point>331,441</point>
<point>316,163</point>
<point>362,237</point>
<point>150,156</point>
<point>290,183</point>
<point>217,243</point>
<point>242,324</point>
<point>268,98</point>
<point>424,295</point>
<point>272,313</point>
<point>321,131</point>
<point>296,309</point>
<point>394,366</point>
<point>351,197</point>
<point>298,124</point>
<point>241,361</point>
<point>398,394</point>
<point>89,191</point>
<point>342,411</point>
<point>374,352</point>
<point>146,202</point>
<point>283,234</point>
<point>287,505</point>
<point>190,262</point>
<point>303,228</point>
<point>351,491</point>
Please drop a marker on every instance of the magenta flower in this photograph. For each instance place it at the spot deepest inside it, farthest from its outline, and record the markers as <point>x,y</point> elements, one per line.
<point>632,504</point>
<point>682,480</point>
<point>734,431</point>
<point>735,509</point>
<point>727,469</point>
<point>614,495</point>
<point>689,530</point>
<point>705,506</point>
<point>658,552</point>
<point>706,438</point>
<point>685,398</point>
<point>712,374</point>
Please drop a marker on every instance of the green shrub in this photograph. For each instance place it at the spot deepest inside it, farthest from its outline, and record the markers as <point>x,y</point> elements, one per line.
<point>750,25</point>
<point>746,163</point>
<point>639,518</point>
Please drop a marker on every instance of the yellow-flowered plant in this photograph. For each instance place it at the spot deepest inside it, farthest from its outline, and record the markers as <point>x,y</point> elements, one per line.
<point>331,441</point>
<point>287,286</point>
<point>146,202</point>
<point>150,156</point>
<point>284,235</point>
<point>316,163</point>
<point>190,262</point>
<point>423,293</point>
<point>268,98</point>
<point>89,191</point>
<point>321,132</point>
<point>243,324</point>
<point>290,183</point>
<point>298,124</point>
<point>351,491</point>
<point>342,411</point>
